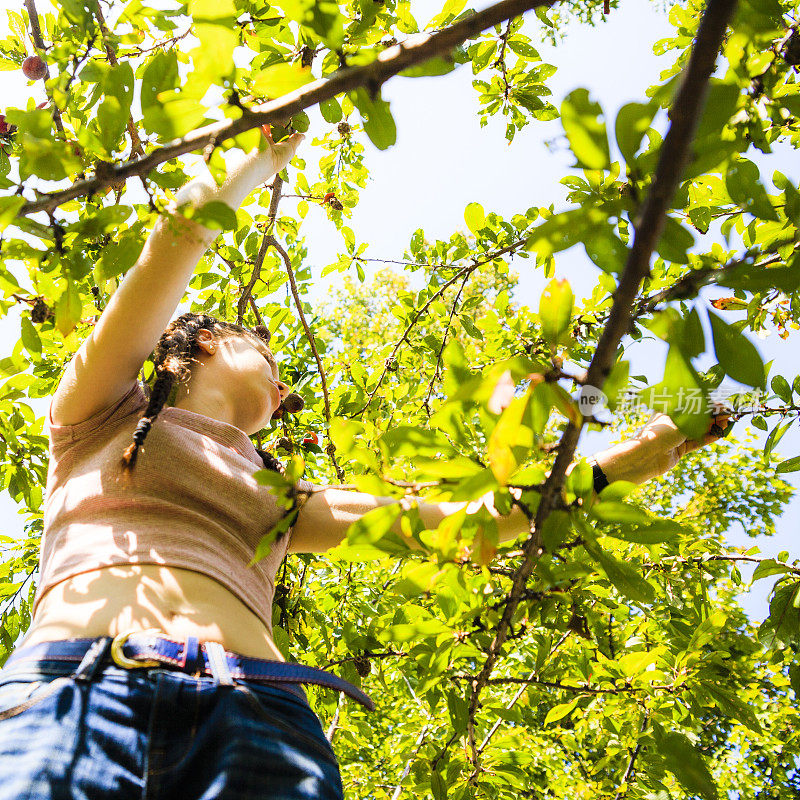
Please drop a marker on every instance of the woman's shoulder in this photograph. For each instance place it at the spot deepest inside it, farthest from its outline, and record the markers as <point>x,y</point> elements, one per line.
<point>131,402</point>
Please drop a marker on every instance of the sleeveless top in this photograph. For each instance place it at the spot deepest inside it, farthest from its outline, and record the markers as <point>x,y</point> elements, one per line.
<point>191,501</point>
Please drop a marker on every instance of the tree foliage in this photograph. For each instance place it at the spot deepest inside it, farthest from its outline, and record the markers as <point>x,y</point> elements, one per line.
<point>620,664</point>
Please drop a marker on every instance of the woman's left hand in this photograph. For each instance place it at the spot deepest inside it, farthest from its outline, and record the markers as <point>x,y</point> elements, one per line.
<point>657,448</point>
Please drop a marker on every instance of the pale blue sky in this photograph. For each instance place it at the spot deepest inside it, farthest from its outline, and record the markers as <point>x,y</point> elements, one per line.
<point>444,160</point>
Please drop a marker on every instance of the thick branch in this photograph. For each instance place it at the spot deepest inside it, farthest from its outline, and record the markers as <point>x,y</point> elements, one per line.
<point>388,63</point>
<point>674,154</point>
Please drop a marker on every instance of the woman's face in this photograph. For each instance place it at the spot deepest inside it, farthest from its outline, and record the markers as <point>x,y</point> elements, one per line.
<point>244,368</point>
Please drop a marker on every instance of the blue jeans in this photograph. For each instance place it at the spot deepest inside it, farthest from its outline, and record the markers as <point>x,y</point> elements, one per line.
<point>156,734</point>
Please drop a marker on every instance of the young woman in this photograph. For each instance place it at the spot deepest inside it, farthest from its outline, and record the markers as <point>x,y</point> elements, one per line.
<point>149,669</point>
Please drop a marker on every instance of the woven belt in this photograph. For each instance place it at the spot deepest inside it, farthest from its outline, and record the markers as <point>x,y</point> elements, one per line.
<point>138,649</point>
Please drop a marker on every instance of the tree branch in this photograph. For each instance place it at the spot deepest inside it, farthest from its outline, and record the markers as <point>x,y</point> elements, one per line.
<point>136,143</point>
<point>330,448</point>
<point>684,115</point>
<point>388,63</point>
<point>36,35</point>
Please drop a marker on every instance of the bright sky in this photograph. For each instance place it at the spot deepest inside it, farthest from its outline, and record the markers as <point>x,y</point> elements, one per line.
<point>444,160</point>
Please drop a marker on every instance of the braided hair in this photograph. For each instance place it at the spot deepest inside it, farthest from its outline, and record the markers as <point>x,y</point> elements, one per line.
<point>172,356</point>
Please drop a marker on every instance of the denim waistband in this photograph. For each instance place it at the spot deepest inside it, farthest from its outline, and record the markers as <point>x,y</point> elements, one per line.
<point>143,650</point>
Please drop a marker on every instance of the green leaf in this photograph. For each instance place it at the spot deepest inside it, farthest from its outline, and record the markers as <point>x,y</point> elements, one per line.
<point>767,568</point>
<point>120,255</point>
<point>615,511</point>
<point>683,760</point>
<point>732,706</point>
<point>719,107</point>
<point>114,111</point>
<point>790,465</point>
<point>321,17</point>
<point>215,215</point>
<point>681,395</point>
<point>708,630</point>
<point>373,525</point>
<point>775,435</point>
<point>783,622</point>
<point>9,206</point>
<point>633,119</point>
<point>408,440</point>
<point>68,309</point>
<point>555,310</point>
<point>438,65</point>
<point>624,577</point>
<point>655,532</point>
<point>605,248</point>
<point>377,118</point>
<point>674,242</point>
<point>781,388</point>
<point>741,181</point>
<point>331,110</point>
<point>583,125</point>
<point>560,711</point>
<point>736,353</point>
<point>562,231</point>
<point>160,74</point>
<point>30,336</point>
<point>280,79</point>
<point>474,217</point>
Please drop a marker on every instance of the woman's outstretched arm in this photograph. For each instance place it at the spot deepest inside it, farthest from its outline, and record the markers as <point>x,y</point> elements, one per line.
<point>327,514</point>
<point>130,326</point>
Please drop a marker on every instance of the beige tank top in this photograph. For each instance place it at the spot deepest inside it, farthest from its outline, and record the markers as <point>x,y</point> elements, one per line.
<point>191,501</point>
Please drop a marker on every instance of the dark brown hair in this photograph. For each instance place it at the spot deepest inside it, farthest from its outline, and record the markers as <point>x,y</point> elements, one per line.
<point>171,357</point>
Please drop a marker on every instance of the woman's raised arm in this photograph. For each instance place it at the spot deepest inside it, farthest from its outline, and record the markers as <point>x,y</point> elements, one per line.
<point>327,514</point>
<point>108,361</point>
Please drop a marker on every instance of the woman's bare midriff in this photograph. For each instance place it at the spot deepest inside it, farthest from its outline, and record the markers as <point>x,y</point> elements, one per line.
<point>178,602</point>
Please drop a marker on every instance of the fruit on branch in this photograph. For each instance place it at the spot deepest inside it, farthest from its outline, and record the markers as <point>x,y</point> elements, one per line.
<point>293,403</point>
<point>34,68</point>
<point>343,128</point>
<point>391,364</point>
<point>310,438</point>
<point>307,55</point>
<point>284,444</point>
<point>362,665</point>
<point>5,128</point>
<point>328,197</point>
<point>40,311</point>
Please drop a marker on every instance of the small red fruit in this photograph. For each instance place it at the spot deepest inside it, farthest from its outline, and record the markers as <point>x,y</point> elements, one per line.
<point>34,68</point>
<point>5,128</point>
<point>311,438</point>
<point>328,197</point>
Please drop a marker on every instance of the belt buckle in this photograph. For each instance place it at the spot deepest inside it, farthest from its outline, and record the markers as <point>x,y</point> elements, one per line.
<point>120,659</point>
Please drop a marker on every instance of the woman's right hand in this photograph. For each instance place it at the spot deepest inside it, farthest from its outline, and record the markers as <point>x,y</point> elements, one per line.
<point>280,154</point>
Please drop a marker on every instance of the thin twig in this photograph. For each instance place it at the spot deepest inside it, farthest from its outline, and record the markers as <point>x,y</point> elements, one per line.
<point>36,35</point>
<point>626,777</point>
<point>464,271</point>
<point>136,142</point>
<point>330,448</point>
